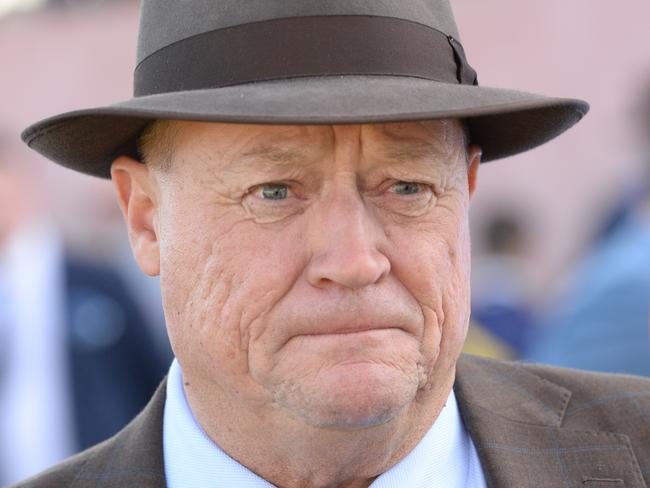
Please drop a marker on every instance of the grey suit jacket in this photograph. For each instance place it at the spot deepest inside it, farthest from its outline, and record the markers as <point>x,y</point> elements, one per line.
<point>534,427</point>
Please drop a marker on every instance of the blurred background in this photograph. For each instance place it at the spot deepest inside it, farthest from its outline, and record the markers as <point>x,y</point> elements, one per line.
<point>561,235</point>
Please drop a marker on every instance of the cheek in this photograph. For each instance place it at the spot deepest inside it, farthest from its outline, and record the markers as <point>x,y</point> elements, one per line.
<point>220,276</point>
<point>431,260</point>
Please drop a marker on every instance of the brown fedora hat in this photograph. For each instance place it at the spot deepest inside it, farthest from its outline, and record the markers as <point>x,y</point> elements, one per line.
<point>301,62</point>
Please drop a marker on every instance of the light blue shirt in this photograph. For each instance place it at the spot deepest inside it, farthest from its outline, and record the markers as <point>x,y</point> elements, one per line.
<point>445,457</point>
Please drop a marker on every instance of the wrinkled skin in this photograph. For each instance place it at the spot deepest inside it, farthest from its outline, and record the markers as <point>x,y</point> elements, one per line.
<point>315,285</point>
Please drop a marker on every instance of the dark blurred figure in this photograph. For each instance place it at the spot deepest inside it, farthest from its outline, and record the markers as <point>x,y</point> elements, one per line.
<point>76,359</point>
<point>603,321</point>
<point>500,295</point>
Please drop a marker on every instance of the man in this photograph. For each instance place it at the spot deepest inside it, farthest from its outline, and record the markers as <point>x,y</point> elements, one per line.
<point>304,200</point>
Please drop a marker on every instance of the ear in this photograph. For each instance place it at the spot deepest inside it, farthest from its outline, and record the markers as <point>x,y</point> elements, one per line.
<point>138,199</point>
<point>474,154</point>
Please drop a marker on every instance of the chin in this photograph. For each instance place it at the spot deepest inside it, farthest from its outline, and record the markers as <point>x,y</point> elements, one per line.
<point>351,396</point>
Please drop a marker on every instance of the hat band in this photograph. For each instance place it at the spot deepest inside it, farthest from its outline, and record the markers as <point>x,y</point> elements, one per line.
<point>304,46</point>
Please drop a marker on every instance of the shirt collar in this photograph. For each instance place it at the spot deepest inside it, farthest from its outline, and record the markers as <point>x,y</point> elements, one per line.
<point>444,457</point>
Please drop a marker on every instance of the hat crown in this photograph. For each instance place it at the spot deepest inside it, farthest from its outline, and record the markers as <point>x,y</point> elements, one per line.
<point>164,22</point>
<point>301,62</point>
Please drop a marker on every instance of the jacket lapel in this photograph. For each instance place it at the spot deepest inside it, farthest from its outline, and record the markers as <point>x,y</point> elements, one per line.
<point>515,420</point>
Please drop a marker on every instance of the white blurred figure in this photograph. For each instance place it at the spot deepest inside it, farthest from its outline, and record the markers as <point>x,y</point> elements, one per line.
<point>77,357</point>
<point>35,414</point>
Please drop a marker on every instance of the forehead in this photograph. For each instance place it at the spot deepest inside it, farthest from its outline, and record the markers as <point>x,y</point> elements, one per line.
<point>424,141</point>
<point>436,132</point>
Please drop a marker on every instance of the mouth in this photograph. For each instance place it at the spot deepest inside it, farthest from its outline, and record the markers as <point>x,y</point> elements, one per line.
<point>351,345</point>
<point>343,337</point>
<point>350,330</point>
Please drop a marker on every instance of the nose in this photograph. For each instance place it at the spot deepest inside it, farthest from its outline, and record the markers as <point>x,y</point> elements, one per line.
<point>345,238</point>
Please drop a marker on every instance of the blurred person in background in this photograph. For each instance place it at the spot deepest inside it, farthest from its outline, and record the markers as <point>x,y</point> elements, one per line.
<point>500,283</point>
<point>76,358</point>
<point>602,322</point>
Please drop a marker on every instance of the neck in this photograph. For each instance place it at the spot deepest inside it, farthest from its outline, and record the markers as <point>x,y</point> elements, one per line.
<point>289,453</point>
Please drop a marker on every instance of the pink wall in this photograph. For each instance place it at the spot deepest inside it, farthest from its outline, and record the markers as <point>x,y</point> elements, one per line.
<point>597,50</point>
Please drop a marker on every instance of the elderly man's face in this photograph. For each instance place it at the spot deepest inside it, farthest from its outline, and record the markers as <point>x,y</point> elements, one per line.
<point>315,272</point>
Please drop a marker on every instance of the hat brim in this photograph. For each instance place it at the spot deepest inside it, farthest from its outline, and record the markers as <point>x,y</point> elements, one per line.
<point>502,122</point>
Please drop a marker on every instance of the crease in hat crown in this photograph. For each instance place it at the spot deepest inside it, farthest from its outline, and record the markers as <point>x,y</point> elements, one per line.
<point>185,47</point>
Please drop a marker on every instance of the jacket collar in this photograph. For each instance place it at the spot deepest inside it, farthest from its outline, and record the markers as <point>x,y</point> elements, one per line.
<point>515,419</point>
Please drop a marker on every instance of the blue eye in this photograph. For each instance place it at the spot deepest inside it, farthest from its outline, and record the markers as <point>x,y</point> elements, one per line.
<point>277,191</point>
<point>406,188</point>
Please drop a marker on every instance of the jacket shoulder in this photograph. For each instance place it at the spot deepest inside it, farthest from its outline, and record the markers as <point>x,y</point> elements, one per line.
<point>601,400</point>
<point>588,383</point>
<point>65,473</point>
<point>584,385</point>
<point>131,458</point>
<point>591,393</point>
